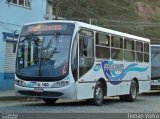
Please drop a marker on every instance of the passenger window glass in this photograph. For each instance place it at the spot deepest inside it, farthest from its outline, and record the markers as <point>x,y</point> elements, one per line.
<point>139,51</point>
<point>129,53</point>
<point>116,50</point>
<point>116,42</point>
<point>86,46</point>
<point>146,52</point>
<point>146,57</point>
<point>146,47</point>
<point>102,52</point>
<point>86,51</point>
<point>139,46</point>
<point>102,45</point>
<point>117,54</point>
<point>129,44</point>
<point>139,56</point>
<point>102,39</point>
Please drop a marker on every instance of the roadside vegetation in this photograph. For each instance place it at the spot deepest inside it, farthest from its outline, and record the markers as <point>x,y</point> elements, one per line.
<point>138,17</point>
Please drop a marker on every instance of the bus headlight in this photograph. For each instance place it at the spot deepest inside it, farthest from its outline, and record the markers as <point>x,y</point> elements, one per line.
<point>60,84</point>
<point>20,83</point>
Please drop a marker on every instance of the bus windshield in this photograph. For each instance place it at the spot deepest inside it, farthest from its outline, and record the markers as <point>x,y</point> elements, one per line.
<point>43,54</point>
<point>155,64</point>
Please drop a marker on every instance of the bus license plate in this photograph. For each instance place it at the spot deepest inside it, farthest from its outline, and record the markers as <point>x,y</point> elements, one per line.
<point>38,89</point>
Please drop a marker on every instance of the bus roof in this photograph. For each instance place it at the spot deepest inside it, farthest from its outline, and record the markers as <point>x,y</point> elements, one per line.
<point>97,28</point>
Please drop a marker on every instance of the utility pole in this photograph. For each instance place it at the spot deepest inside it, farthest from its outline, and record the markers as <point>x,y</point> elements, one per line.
<point>52,9</point>
<point>90,21</point>
<point>57,3</point>
<point>49,11</point>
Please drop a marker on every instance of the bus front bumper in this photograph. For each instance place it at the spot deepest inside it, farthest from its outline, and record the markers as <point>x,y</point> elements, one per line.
<point>67,92</point>
<point>155,84</point>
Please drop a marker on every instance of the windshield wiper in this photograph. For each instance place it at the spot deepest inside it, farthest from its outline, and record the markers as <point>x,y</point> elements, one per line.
<point>52,41</point>
<point>53,52</point>
<point>28,37</point>
<point>56,36</point>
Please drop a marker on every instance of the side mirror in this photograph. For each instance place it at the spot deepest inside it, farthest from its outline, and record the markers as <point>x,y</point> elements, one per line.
<point>85,42</point>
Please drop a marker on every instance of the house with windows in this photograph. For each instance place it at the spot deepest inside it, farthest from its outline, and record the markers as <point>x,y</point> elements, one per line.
<point>13,14</point>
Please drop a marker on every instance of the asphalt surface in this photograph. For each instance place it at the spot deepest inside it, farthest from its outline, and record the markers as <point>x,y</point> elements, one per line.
<point>148,103</point>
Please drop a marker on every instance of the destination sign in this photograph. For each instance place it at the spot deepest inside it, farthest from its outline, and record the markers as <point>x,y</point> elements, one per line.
<point>43,27</point>
<point>48,28</point>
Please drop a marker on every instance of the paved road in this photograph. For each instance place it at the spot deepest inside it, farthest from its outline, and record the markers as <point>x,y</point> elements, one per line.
<point>146,103</point>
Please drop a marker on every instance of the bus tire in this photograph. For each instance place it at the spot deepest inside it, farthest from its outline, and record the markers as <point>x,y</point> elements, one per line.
<point>98,94</point>
<point>131,97</point>
<point>133,91</point>
<point>50,100</point>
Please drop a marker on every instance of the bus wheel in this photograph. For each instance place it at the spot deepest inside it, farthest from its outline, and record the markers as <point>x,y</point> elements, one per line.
<point>50,100</point>
<point>133,91</point>
<point>131,97</point>
<point>98,94</point>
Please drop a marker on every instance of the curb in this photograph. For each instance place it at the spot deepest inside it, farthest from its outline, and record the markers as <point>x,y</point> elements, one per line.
<point>5,98</point>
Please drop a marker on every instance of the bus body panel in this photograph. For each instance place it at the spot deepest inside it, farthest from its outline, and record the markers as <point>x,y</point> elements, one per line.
<point>89,80</point>
<point>155,84</point>
<point>117,74</point>
<point>85,90</point>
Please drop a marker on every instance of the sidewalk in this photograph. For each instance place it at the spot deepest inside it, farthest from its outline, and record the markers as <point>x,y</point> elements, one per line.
<point>9,95</point>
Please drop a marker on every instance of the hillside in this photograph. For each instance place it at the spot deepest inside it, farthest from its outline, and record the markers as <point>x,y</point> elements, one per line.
<point>139,17</point>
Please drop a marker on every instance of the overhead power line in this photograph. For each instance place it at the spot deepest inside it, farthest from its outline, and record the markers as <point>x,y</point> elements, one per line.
<point>8,27</point>
<point>128,25</point>
<point>9,23</point>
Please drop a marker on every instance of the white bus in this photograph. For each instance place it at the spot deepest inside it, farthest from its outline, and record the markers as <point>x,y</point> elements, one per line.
<point>75,60</point>
<point>155,67</point>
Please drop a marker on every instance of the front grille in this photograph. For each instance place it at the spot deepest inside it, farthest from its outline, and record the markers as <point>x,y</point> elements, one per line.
<point>155,87</point>
<point>41,94</point>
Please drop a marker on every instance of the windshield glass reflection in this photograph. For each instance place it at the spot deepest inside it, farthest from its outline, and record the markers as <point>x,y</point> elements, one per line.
<point>43,55</point>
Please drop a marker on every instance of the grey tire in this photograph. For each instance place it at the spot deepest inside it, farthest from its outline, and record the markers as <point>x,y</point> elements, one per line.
<point>131,97</point>
<point>98,94</point>
<point>50,100</point>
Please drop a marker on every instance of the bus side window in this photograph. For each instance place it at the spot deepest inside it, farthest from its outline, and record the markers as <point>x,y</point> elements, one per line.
<point>102,39</point>
<point>146,52</point>
<point>83,44</point>
<point>86,46</point>
<point>86,52</point>
<point>139,51</point>
<point>129,53</point>
<point>102,45</point>
<point>117,48</point>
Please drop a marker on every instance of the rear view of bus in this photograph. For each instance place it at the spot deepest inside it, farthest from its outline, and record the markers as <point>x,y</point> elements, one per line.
<point>43,61</point>
<point>155,66</point>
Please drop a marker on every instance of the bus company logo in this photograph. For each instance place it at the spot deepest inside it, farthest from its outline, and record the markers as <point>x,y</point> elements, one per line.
<point>114,67</point>
<point>116,72</point>
<point>97,67</point>
<point>31,84</point>
<point>67,78</point>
